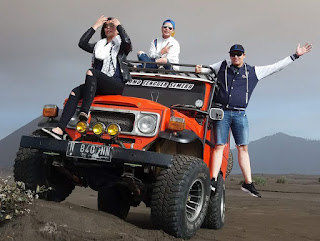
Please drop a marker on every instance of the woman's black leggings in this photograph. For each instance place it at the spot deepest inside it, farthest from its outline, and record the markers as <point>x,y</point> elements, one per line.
<point>97,84</point>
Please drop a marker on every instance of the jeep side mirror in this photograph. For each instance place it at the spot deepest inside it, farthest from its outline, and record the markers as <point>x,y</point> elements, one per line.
<point>216,114</point>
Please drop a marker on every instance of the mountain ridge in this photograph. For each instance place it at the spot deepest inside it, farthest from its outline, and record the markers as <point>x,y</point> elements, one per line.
<point>283,154</point>
<point>10,144</point>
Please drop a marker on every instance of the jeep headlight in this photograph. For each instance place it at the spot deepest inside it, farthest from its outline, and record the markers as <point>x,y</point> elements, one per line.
<point>147,124</point>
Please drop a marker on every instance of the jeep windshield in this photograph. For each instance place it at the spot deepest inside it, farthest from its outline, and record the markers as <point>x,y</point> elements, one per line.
<point>167,91</point>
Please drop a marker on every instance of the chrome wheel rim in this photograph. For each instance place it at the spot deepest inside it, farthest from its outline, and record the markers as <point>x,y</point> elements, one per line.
<point>223,204</point>
<point>195,199</point>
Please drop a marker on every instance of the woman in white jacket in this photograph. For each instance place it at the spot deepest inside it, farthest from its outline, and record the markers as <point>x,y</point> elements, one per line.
<point>163,50</point>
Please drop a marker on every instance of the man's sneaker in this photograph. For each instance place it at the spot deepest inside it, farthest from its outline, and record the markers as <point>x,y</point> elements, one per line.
<point>249,188</point>
<point>214,184</point>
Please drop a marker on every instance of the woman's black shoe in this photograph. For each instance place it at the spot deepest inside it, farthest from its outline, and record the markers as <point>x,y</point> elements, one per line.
<point>83,116</point>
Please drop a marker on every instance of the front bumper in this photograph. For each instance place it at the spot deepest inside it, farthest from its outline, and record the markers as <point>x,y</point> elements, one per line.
<point>118,154</point>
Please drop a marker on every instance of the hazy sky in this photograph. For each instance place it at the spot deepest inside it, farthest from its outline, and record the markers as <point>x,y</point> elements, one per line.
<point>40,61</point>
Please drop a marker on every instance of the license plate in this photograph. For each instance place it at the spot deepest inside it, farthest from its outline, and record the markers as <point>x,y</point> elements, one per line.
<point>89,151</point>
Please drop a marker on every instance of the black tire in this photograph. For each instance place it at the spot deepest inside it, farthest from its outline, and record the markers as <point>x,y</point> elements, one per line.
<point>32,167</point>
<point>174,194</point>
<point>115,200</point>
<point>216,210</point>
<point>230,163</point>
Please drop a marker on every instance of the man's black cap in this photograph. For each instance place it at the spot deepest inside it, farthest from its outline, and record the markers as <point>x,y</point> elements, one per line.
<point>237,47</point>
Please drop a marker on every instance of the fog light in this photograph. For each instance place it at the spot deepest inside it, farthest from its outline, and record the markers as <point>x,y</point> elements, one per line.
<point>113,129</point>
<point>98,128</point>
<point>82,127</point>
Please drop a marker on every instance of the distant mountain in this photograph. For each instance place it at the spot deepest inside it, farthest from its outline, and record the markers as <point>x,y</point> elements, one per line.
<point>282,154</point>
<point>10,144</point>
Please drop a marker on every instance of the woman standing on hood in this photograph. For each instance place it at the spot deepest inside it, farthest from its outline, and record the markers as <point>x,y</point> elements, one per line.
<point>108,74</point>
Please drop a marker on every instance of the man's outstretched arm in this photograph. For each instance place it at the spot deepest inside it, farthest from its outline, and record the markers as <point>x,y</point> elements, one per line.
<point>264,71</point>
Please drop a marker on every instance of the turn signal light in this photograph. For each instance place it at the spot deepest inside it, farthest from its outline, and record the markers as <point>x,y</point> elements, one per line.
<point>113,129</point>
<point>82,127</point>
<point>176,124</point>
<point>50,111</point>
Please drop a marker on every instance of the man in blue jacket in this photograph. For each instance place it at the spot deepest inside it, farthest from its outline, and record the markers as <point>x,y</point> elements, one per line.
<point>236,82</point>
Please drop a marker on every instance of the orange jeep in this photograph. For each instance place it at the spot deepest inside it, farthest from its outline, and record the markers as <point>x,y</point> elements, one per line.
<point>153,144</point>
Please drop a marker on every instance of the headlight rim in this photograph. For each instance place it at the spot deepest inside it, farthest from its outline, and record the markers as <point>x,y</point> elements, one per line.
<point>154,118</point>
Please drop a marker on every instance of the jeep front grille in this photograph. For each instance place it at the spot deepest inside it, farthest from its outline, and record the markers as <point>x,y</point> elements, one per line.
<point>124,120</point>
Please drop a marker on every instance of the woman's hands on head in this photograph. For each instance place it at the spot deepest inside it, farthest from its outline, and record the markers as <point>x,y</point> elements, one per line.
<point>115,21</point>
<point>102,19</point>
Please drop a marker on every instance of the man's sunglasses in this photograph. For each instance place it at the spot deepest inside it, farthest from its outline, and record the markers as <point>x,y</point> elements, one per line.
<point>239,54</point>
<point>165,26</point>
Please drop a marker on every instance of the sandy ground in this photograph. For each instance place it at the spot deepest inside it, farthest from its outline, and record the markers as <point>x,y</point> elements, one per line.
<point>286,212</point>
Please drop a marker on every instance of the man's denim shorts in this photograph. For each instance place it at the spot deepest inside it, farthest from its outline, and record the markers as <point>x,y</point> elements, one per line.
<point>238,122</point>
